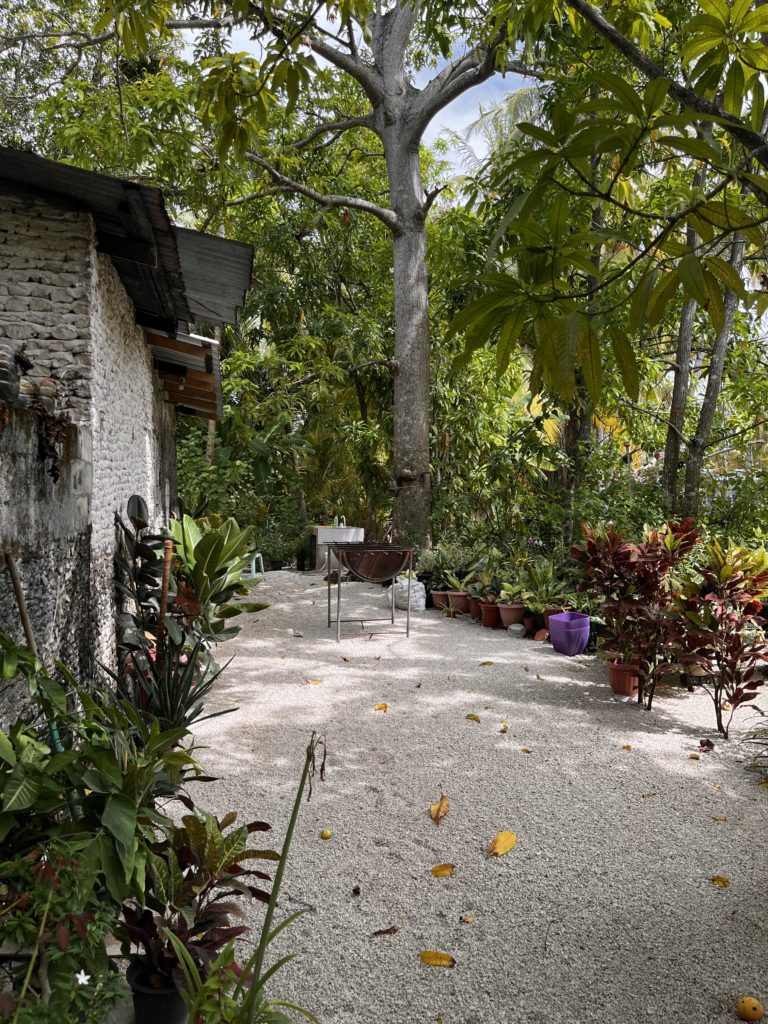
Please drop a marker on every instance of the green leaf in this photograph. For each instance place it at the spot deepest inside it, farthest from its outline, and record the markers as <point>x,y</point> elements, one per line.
<point>726,273</point>
<point>626,362</point>
<point>693,278</point>
<point>588,350</point>
<point>621,89</point>
<point>510,332</point>
<point>119,818</point>
<point>639,302</point>
<point>20,790</point>
<point>7,752</point>
<point>655,94</point>
<point>755,21</point>
<point>9,664</point>
<point>733,93</point>
<point>715,308</point>
<point>661,296</point>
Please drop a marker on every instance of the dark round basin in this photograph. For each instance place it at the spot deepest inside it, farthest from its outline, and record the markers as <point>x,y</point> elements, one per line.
<point>372,562</point>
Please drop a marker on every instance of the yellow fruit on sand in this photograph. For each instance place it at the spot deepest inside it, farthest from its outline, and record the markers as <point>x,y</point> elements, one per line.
<point>326,834</point>
<point>749,1008</point>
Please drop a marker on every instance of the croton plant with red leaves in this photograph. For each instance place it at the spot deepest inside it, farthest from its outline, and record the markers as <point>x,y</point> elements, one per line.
<point>719,626</point>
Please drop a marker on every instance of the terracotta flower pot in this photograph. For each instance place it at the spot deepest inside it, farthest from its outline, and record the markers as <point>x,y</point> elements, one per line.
<point>533,621</point>
<point>623,678</point>
<point>459,600</point>
<point>440,599</point>
<point>490,615</point>
<point>511,614</point>
<point>474,608</point>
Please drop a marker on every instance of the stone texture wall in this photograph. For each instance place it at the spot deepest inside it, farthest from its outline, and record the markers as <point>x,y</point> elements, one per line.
<point>64,312</point>
<point>45,269</point>
<point>131,426</point>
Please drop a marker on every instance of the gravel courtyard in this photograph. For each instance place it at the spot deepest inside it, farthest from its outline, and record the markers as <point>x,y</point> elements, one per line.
<point>603,911</point>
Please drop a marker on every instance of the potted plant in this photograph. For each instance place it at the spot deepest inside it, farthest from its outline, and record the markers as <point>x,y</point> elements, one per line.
<point>458,595</point>
<point>542,592</point>
<point>191,877</point>
<point>511,607</point>
<point>489,608</point>
<point>476,589</point>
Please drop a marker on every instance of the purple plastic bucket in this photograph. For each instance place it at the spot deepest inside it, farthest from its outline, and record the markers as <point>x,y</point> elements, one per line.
<point>569,632</point>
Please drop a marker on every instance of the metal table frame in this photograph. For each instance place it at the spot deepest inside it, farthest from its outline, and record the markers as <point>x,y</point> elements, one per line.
<point>390,618</point>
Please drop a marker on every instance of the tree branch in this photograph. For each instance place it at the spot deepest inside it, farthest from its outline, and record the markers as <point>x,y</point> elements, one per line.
<point>752,141</point>
<point>335,126</point>
<point>367,76</point>
<point>386,216</point>
<point>458,77</point>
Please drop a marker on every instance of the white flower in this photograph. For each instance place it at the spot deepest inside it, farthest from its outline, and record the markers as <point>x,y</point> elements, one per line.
<point>82,978</point>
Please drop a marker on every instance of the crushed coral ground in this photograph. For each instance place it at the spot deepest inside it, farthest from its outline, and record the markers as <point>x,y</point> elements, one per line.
<point>603,910</point>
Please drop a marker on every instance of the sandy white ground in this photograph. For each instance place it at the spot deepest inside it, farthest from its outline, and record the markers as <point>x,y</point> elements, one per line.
<point>603,912</point>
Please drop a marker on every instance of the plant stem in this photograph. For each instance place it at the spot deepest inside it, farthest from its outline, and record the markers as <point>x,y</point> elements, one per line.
<point>33,958</point>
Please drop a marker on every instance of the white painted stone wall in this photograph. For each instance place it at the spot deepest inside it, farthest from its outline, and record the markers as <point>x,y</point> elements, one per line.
<point>63,303</point>
<point>45,270</point>
<point>128,421</point>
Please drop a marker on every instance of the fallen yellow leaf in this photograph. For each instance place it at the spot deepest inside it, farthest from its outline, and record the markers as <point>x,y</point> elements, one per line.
<point>627,746</point>
<point>486,663</point>
<point>719,817</point>
<point>524,750</point>
<point>472,718</point>
<point>443,870</point>
<point>469,918</point>
<point>504,727</point>
<point>313,682</point>
<point>720,881</point>
<point>502,843</point>
<point>326,833</point>
<point>715,789</point>
<point>439,810</point>
<point>432,958</point>
<point>763,784</point>
<point>381,707</point>
<point>694,757</point>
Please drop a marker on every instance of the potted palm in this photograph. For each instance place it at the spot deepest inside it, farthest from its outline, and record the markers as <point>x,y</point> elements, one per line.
<point>542,592</point>
<point>458,595</point>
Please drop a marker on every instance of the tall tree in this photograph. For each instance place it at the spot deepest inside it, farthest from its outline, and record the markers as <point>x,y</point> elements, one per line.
<point>374,46</point>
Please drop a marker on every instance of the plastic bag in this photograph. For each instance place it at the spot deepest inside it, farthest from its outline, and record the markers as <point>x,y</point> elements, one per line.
<point>418,594</point>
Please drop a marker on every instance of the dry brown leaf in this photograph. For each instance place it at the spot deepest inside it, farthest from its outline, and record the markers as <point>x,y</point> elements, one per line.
<point>385,931</point>
<point>720,881</point>
<point>504,727</point>
<point>502,843</point>
<point>487,663</point>
<point>345,659</point>
<point>439,810</point>
<point>524,750</point>
<point>472,718</point>
<point>645,796</point>
<point>627,746</point>
<point>526,669</point>
<point>694,757</point>
<point>468,918</point>
<point>763,784</point>
<point>432,958</point>
<point>540,678</point>
<point>720,817</point>
<point>313,682</point>
<point>443,870</point>
<point>377,657</point>
<point>382,707</point>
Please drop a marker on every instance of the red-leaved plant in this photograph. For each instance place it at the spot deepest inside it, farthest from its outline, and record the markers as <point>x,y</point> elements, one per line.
<point>719,626</point>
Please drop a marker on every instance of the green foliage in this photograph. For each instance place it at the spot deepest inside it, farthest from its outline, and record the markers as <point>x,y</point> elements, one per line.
<point>50,904</point>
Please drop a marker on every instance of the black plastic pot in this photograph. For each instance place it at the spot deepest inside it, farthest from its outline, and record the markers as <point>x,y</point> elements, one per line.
<point>426,579</point>
<point>154,1005</point>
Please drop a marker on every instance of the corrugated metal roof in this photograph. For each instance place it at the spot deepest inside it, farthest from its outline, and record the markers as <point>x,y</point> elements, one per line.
<point>173,275</point>
<point>217,274</point>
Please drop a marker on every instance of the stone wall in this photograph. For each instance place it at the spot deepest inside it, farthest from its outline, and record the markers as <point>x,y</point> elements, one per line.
<point>131,425</point>
<point>67,329</point>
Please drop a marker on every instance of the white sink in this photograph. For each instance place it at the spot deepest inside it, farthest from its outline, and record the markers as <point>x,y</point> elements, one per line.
<point>334,535</point>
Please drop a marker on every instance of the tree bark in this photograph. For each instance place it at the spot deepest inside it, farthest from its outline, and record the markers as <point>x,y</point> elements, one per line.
<point>697,446</point>
<point>673,445</point>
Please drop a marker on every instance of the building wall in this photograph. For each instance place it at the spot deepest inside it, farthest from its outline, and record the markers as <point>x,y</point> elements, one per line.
<point>63,307</point>
<point>130,423</point>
